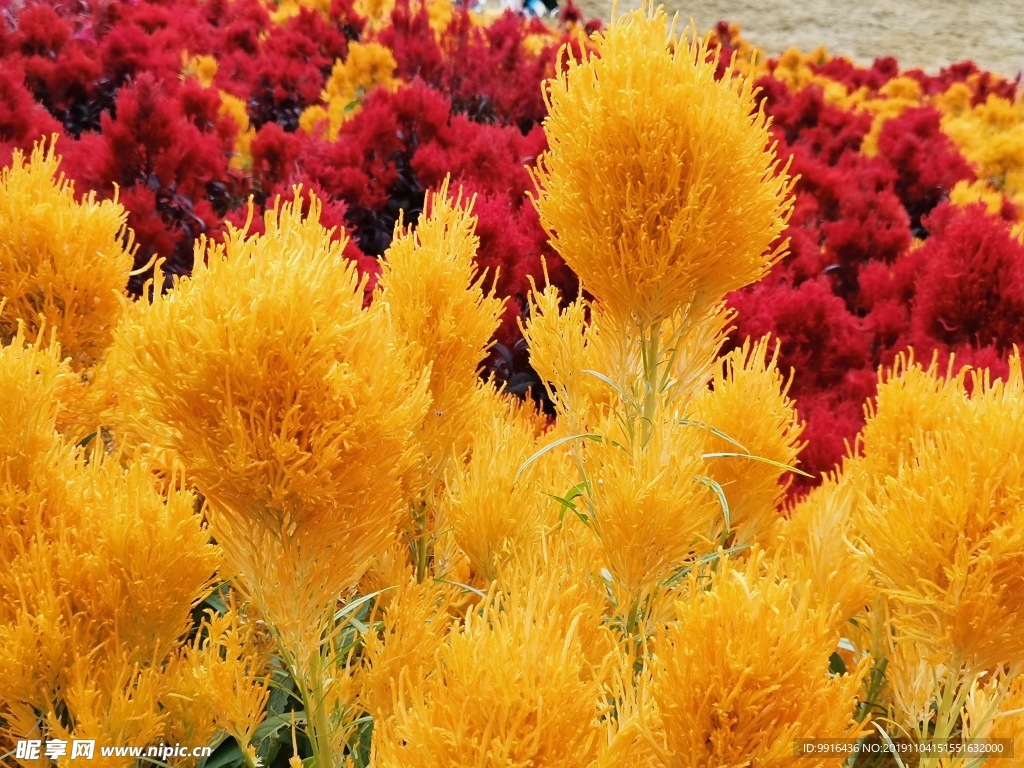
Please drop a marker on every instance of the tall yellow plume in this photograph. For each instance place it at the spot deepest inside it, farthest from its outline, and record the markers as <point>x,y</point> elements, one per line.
<point>747,415</point>
<point>943,532</point>
<point>289,404</point>
<point>660,188</point>
<point>64,264</point>
<point>435,295</point>
<point>293,410</point>
<point>743,673</point>
<point>513,688</point>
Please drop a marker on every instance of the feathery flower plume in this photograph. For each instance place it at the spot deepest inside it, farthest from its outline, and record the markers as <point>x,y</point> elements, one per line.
<point>743,673</point>
<point>943,533</point>
<point>514,687</point>
<point>755,424</point>
<point>63,263</point>
<point>293,410</point>
<point>495,511</point>
<point>100,570</point>
<point>434,293</point>
<point>816,555</point>
<point>649,507</point>
<point>415,621</point>
<point>660,188</point>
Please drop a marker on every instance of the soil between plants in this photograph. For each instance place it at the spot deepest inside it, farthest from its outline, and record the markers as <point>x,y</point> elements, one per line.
<point>928,34</point>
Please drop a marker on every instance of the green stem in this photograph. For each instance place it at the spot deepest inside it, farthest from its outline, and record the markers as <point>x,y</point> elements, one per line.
<point>317,717</point>
<point>651,353</point>
<point>631,620</point>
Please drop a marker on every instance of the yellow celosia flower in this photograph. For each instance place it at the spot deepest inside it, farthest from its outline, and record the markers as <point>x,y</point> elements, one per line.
<point>559,339</point>
<point>202,68</point>
<point>367,66</point>
<point>415,621</point>
<point>942,530</point>
<point>955,99</point>
<point>33,381</point>
<point>439,13</point>
<point>743,673</point>
<point>660,188</point>
<point>535,42</point>
<point>434,293</point>
<point>748,403</point>
<point>649,505</point>
<point>513,688</point>
<point>315,119</point>
<point>100,569</point>
<point>495,512</point>
<point>897,96</point>
<point>221,675</point>
<point>816,555</point>
<point>293,410</point>
<point>376,12</point>
<point>234,107</point>
<point>794,67</point>
<point>970,192</point>
<point>991,137</point>
<point>282,10</point>
<point>63,263</point>
<point>910,400</point>
<point>996,711</point>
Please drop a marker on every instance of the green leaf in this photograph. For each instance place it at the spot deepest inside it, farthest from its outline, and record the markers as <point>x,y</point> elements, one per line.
<point>715,431</point>
<point>567,501</point>
<point>836,665</point>
<point>351,608</point>
<point>606,380</point>
<point>552,446</point>
<point>685,570</point>
<point>720,493</point>
<point>275,723</point>
<point>229,756</point>
<point>466,587</point>
<point>777,464</point>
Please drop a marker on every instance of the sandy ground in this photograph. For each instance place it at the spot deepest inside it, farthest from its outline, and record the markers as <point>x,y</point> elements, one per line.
<point>920,33</point>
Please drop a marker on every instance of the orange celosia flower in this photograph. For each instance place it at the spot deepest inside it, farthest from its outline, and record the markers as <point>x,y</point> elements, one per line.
<point>748,402</point>
<point>287,401</point>
<point>495,512</point>
<point>744,673</point>
<point>63,263</point>
<point>816,554</point>
<point>941,527</point>
<point>660,188</point>
<point>434,293</point>
<point>100,569</point>
<point>649,506</point>
<point>513,688</point>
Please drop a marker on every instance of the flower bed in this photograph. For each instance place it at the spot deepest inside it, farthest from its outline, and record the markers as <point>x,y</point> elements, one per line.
<point>266,503</point>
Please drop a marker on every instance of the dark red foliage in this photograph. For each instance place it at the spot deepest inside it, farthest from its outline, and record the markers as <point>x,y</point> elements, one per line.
<point>928,161</point>
<point>970,290</point>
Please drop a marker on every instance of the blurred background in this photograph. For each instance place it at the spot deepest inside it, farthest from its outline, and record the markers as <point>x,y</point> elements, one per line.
<point>920,33</point>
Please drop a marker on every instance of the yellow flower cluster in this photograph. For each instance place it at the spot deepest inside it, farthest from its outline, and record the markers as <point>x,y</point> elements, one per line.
<point>100,569</point>
<point>63,264</point>
<point>423,554</point>
<point>367,66</point>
